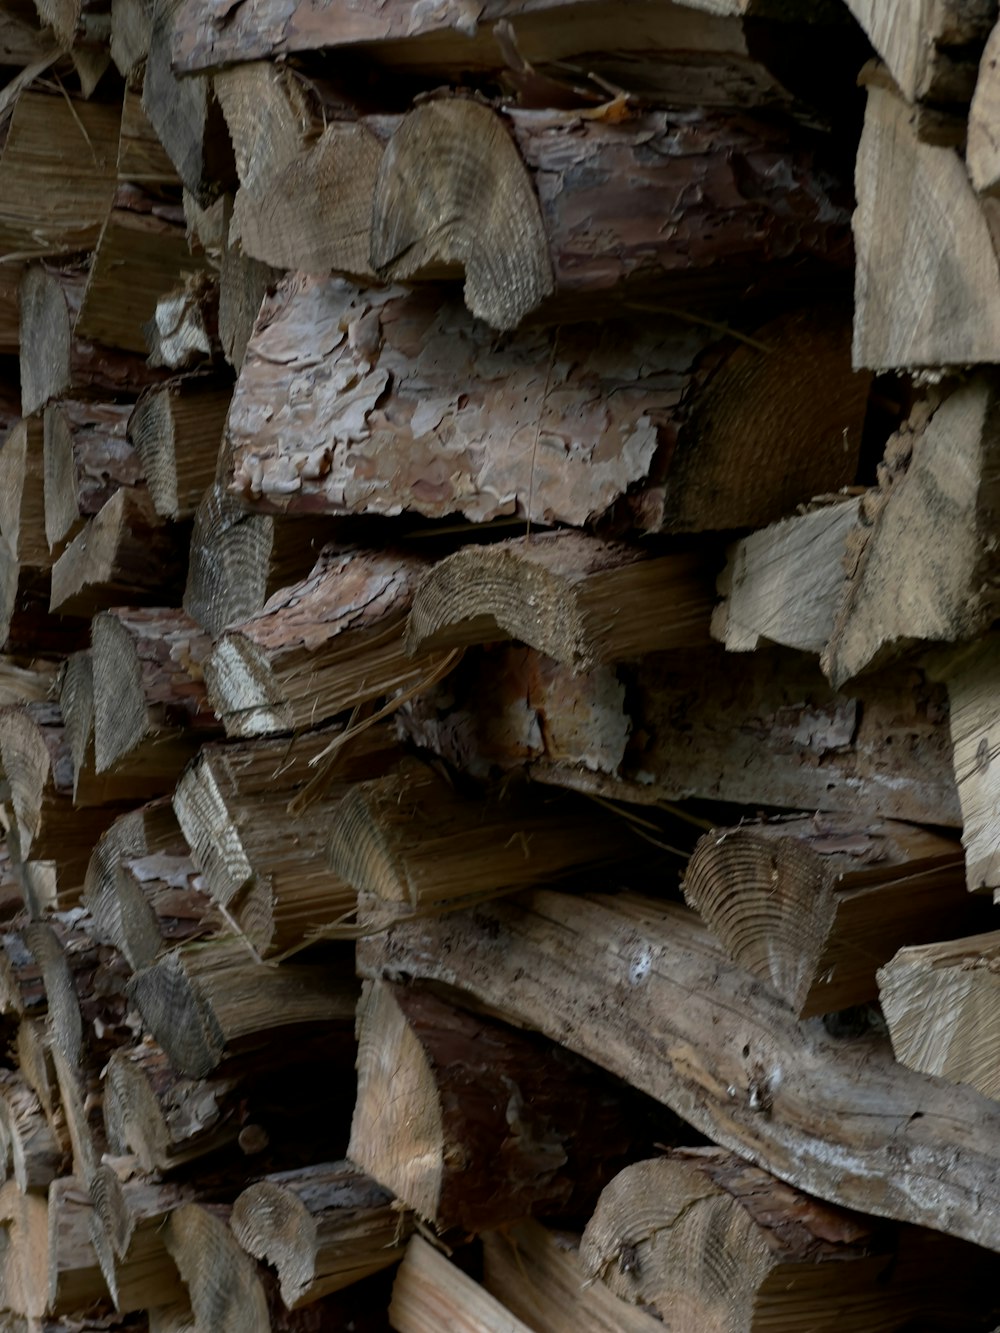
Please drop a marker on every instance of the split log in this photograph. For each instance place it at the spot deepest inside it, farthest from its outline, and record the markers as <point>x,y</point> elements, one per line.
<point>57,174</point>
<point>748,1253</point>
<point>150,707</point>
<point>921,299</point>
<point>671,727</point>
<point>183,332</point>
<point>131,29</point>
<point>782,584</point>
<point>34,1063</point>
<point>133,1256</point>
<point>25,560</point>
<point>931,50</point>
<point>324,645</point>
<point>430,1293</point>
<point>75,1281</point>
<point>323,1228</point>
<point>142,161</point>
<point>982,154</point>
<point>922,564</point>
<point>243,284</point>
<point>536,1274</point>
<point>555,421</point>
<point>814,906</point>
<point>276,890</point>
<point>415,843</point>
<point>839,1119</point>
<point>225,1293</point>
<point>86,459</point>
<point>176,430</point>
<point>23,1259</point>
<point>29,1150</point>
<point>473,1124</point>
<point>563,593</point>
<point>126,554</point>
<point>239,559</point>
<point>22,41</point>
<point>201,1000</point>
<point>939,1002</point>
<point>80,1105</point>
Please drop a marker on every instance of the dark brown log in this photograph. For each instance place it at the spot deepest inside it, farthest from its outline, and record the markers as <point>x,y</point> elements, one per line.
<point>555,422</point>
<point>176,430</point>
<point>323,1228</point>
<point>324,645</point>
<point>87,458</point>
<point>23,1263</point>
<point>473,1124</point>
<point>563,593</point>
<point>814,906</point>
<point>276,889</point>
<point>642,989</point>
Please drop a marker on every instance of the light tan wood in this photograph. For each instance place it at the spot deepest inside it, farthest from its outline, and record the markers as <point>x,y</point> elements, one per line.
<point>430,1293</point>
<point>225,1293</point>
<point>75,1280</point>
<point>927,284</point>
<point>982,156</point>
<point>940,1004</point>
<point>129,1226</point>
<point>176,429</point>
<point>24,1257</point>
<point>783,583</point>
<point>931,46</point>
<point>131,29</point>
<point>22,494</point>
<point>29,1149</point>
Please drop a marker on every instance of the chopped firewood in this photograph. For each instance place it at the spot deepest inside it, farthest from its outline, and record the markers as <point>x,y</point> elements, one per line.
<point>225,1292</point>
<point>131,30</point>
<point>75,1281</point>
<point>87,457</point>
<point>243,284</point>
<point>931,50</point>
<point>176,430</point>
<point>430,1293</point>
<point>128,1230</point>
<point>31,1153</point>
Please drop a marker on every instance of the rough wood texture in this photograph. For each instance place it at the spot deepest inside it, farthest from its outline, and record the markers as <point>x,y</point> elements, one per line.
<point>710,1242</point>
<point>537,1275</point>
<point>931,48</point>
<point>982,154</point>
<point>322,1227</point>
<point>29,1150</point>
<point>22,497</point>
<point>176,430</point>
<point>940,1004</point>
<point>225,1293</point>
<point>326,644</point>
<point>129,1239</point>
<point>814,906</point>
<point>23,1263</point>
<point>86,459</point>
<point>430,1293</point>
<point>201,999</point>
<point>75,1280</point>
<point>927,283</point>
<point>922,565</point>
<point>243,284</point>
<point>563,593</point>
<point>782,584</point>
<point>369,419</point>
<point>125,554</point>
<point>641,988</point>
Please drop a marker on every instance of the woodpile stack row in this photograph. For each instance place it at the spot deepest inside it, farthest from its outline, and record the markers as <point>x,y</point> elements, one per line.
<point>499,514</point>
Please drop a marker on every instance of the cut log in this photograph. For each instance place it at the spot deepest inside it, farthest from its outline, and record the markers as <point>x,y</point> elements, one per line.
<point>430,1293</point>
<point>556,421</point>
<point>814,906</point>
<point>324,645</point>
<point>23,1257</point>
<point>783,583</point>
<point>225,1293</point>
<point>57,174</point>
<point>86,459</point>
<point>922,565</point>
<point>202,999</point>
<point>931,49</point>
<point>142,160</point>
<point>126,554</point>
<point>75,1281</point>
<point>982,155</point>
<point>243,284</point>
<point>413,842</point>
<point>131,29</point>
<point>748,1254</point>
<point>183,332</point>
<point>839,1119</point>
<point>563,593</point>
<point>473,1124</point>
<point>29,1149</point>
<point>940,1004</point>
<point>239,559</point>
<point>134,1259</point>
<point>922,299</point>
<point>22,495</point>
<point>176,430</point>
<point>323,1228</point>
<point>537,1275</point>
<point>276,890</point>
<point>22,41</point>
<point>151,711</point>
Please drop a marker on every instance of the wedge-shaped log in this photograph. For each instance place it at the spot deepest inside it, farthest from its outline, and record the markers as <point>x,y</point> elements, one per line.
<point>940,1003</point>
<point>554,421</point>
<point>23,1261</point>
<point>86,459</point>
<point>125,555</point>
<point>414,842</point>
<point>243,284</point>
<point>151,710</point>
<point>814,906</point>
<point>473,1124</point>
<point>840,1119</point>
<point>225,1292</point>
<point>322,1227</point>
<point>142,159</point>
<point>238,559</point>
<point>201,1000</point>
<point>128,1226</point>
<point>29,1150</point>
<point>324,645</point>
<point>931,50</point>
<point>982,154</point>
<point>176,430</point>
<point>749,1254</point>
<point>75,1281</point>
<point>430,1292</point>
<point>536,1274</point>
<point>25,560</point>
<point>563,593</point>
<point>276,890</point>
<point>927,282</point>
<point>783,583</point>
<point>922,564</point>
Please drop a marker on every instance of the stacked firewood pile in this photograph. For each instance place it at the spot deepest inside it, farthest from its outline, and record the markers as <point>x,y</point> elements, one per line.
<point>499,708</point>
